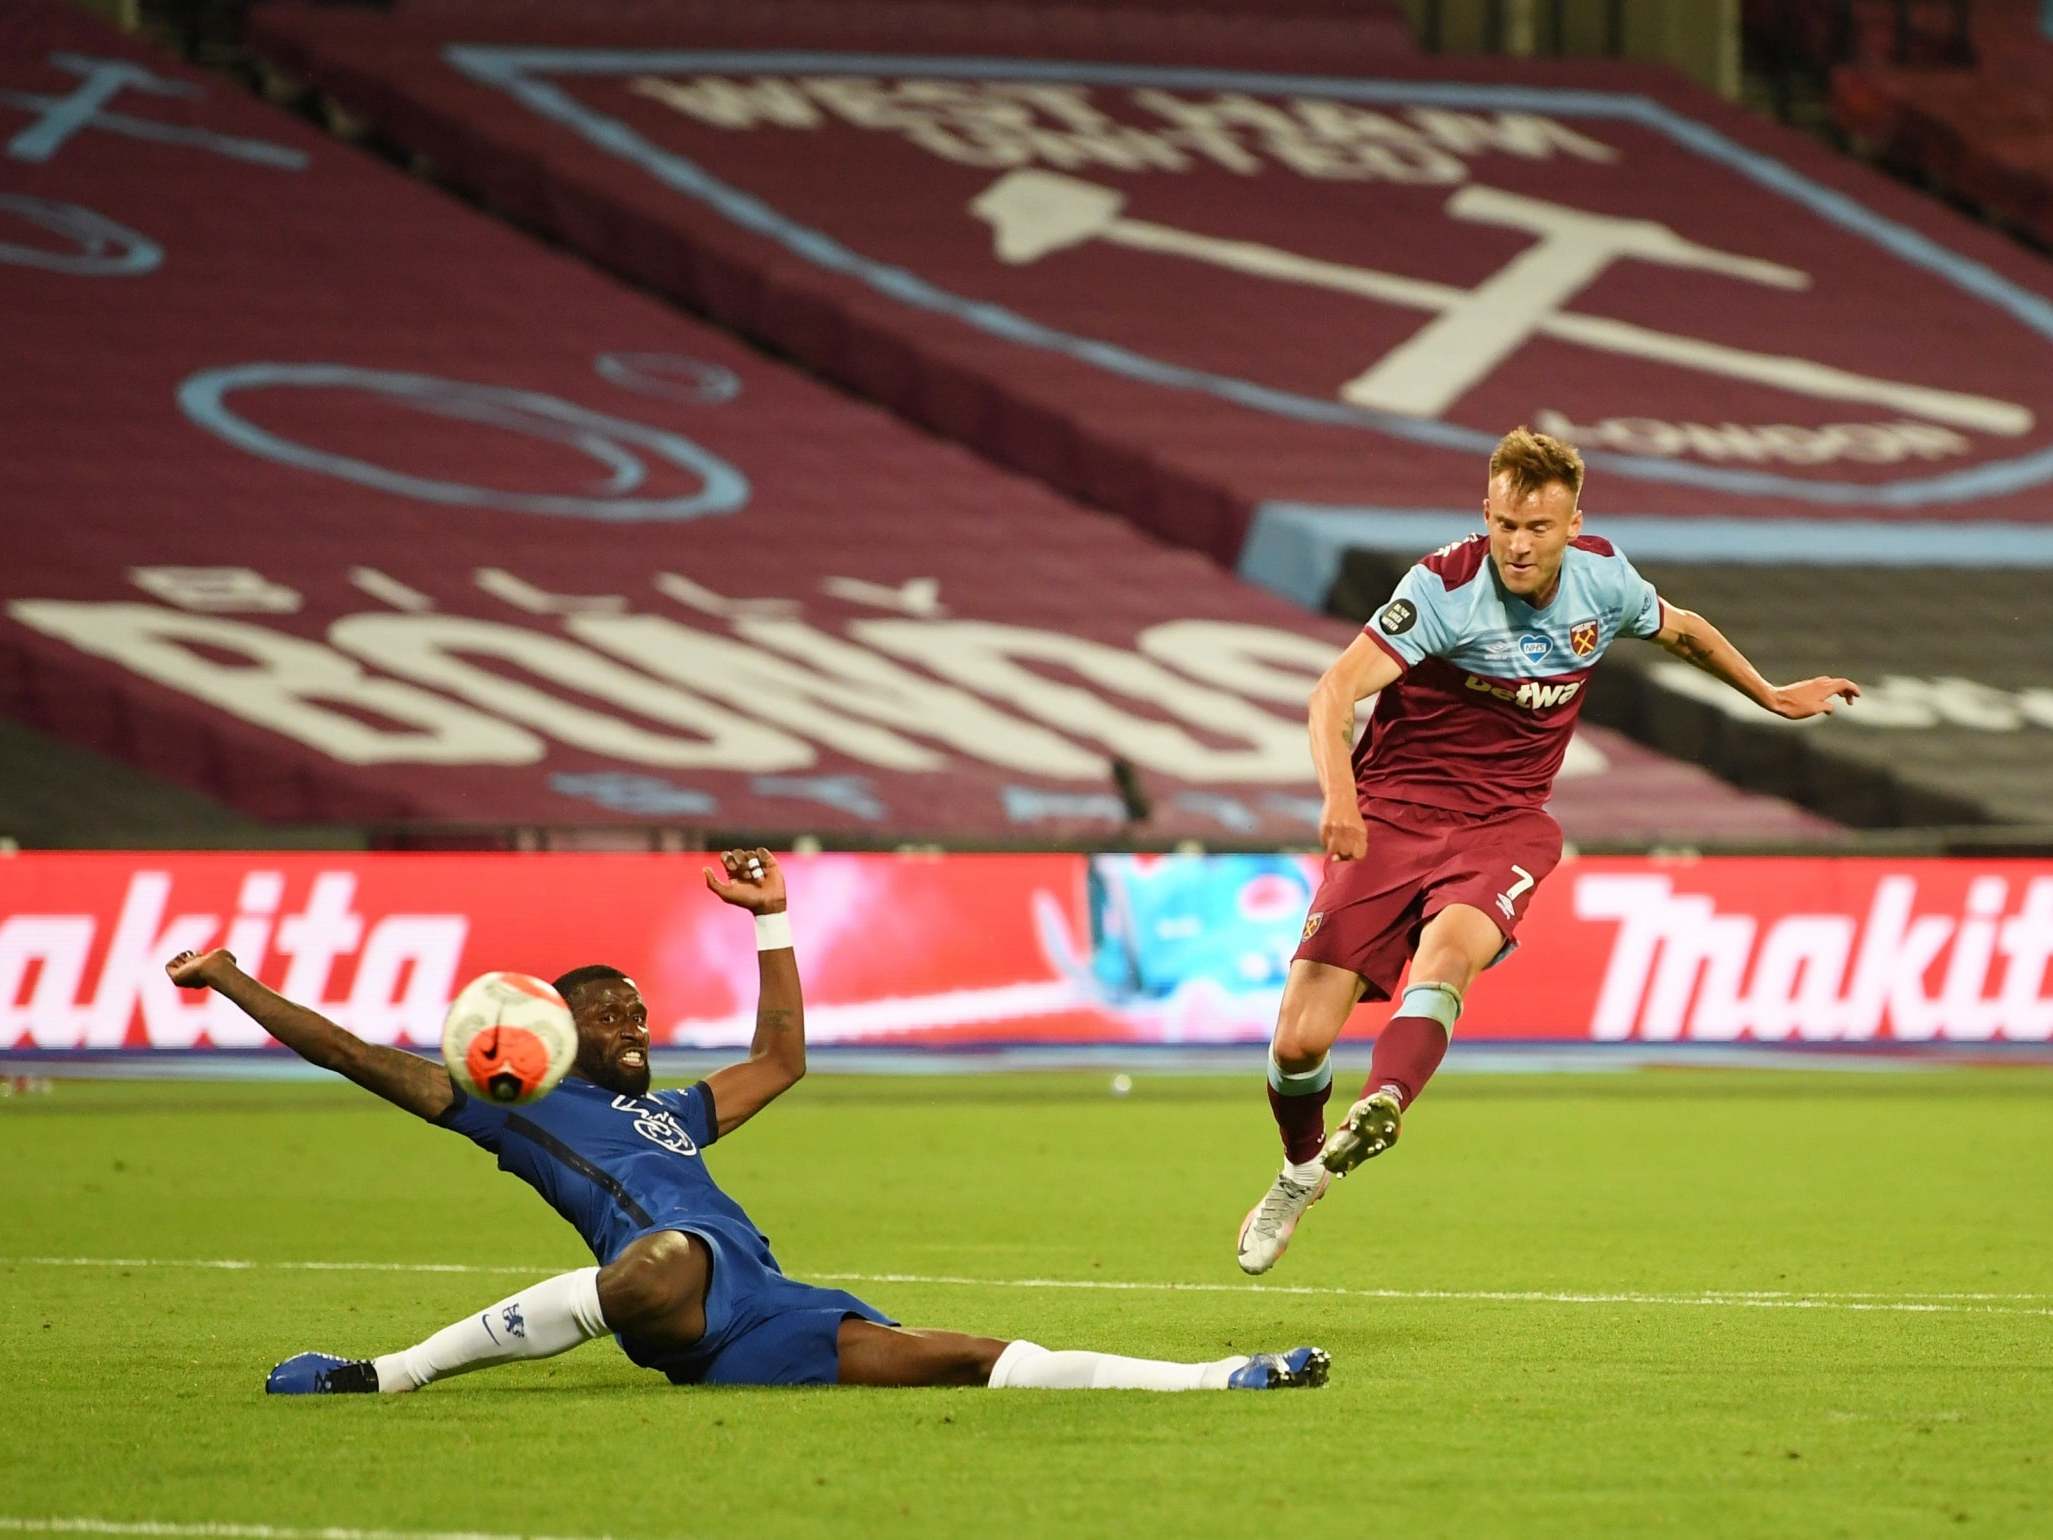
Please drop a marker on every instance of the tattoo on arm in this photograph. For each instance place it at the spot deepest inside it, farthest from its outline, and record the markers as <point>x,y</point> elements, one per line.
<point>774,1019</point>
<point>1692,646</point>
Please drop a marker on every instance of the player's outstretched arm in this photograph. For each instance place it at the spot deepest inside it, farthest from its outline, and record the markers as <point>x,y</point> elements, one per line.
<point>1695,640</point>
<point>403,1079</point>
<point>749,879</point>
<point>1356,674</point>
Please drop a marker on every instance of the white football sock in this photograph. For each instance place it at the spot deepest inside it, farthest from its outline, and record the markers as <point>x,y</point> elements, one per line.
<point>1306,1175</point>
<point>1026,1366</point>
<point>545,1319</point>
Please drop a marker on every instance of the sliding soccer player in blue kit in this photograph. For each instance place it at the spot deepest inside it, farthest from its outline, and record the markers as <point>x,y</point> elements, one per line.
<point>683,1278</point>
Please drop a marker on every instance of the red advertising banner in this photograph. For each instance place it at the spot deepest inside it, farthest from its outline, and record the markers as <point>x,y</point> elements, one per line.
<point>978,950</point>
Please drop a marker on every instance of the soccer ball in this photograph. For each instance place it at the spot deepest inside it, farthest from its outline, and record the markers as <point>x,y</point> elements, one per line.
<point>508,1038</point>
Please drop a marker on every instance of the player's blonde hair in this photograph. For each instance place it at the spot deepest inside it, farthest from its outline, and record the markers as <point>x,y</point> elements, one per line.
<point>1534,460</point>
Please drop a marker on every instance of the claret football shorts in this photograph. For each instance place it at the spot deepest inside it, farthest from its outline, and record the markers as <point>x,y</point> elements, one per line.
<point>1367,914</point>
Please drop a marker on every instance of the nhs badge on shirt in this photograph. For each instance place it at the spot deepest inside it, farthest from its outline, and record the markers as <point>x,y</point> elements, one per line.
<point>1535,645</point>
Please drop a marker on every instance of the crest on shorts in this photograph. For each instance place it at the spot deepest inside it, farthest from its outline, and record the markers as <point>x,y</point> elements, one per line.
<point>1312,923</point>
<point>1582,636</point>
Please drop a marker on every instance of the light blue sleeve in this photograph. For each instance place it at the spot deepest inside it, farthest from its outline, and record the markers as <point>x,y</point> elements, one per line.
<point>1639,607</point>
<point>1417,622</point>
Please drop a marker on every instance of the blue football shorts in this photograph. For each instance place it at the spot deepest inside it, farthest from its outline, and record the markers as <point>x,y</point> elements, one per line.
<point>762,1328</point>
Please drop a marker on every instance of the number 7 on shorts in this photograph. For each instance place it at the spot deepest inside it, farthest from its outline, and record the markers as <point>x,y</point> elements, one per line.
<point>1508,899</point>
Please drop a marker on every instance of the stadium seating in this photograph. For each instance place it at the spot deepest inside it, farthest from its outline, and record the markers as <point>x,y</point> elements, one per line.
<point>1280,316</point>
<point>1969,111</point>
<point>351,505</point>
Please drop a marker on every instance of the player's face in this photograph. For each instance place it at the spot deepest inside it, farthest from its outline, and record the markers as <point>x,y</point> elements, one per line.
<point>612,1036</point>
<point>1529,535</point>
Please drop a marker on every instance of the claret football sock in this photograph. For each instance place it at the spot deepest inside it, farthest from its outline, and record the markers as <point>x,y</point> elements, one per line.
<point>1408,1050</point>
<point>1298,1103</point>
<point>1413,1041</point>
<point>545,1319</point>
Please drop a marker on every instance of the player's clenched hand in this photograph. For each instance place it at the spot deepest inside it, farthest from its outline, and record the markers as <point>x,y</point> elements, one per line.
<point>188,970</point>
<point>750,879</point>
<point>1342,832</point>
<point>1812,697</point>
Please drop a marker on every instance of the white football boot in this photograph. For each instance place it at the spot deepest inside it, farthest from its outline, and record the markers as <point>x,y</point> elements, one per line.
<point>1369,1128</point>
<point>1265,1233</point>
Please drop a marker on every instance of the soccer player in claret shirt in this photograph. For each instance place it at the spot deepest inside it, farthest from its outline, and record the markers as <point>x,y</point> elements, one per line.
<point>1434,825</point>
<point>685,1280</point>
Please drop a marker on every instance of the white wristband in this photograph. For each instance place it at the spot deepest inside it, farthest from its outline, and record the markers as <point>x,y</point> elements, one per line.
<point>773,932</point>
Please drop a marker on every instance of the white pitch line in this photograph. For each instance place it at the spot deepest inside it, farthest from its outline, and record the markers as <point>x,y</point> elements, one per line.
<point>1918,1302</point>
<point>233,1265</point>
<point>55,1526</point>
<point>1491,1296</point>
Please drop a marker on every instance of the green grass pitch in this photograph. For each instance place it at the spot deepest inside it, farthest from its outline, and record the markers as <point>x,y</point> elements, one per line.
<point>1673,1302</point>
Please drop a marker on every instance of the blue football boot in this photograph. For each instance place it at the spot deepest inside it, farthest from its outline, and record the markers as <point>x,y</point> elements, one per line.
<point>1302,1368</point>
<point>320,1374</point>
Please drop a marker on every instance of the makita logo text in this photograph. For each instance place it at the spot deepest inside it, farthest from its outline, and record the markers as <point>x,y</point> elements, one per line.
<point>1681,968</point>
<point>67,986</point>
<point>1534,695</point>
